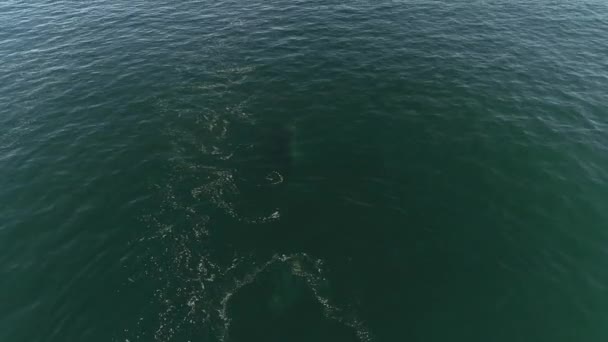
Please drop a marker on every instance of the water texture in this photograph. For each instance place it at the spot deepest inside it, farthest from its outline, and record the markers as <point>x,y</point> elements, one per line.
<point>303,170</point>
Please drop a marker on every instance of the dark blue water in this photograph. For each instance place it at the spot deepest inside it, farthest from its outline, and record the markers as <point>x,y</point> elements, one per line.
<point>303,171</point>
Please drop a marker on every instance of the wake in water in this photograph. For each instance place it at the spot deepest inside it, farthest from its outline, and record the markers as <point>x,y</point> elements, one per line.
<point>204,279</point>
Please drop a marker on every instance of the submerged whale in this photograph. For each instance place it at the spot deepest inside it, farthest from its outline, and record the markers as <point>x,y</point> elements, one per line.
<point>279,305</point>
<point>262,172</point>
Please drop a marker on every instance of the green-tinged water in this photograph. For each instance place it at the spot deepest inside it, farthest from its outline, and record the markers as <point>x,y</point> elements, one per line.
<point>248,171</point>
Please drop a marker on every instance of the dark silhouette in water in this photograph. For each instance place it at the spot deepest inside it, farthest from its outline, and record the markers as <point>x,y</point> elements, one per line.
<point>277,146</point>
<point>263,171</point>
<point>280,306</point>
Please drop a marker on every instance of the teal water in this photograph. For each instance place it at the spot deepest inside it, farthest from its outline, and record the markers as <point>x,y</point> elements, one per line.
<point>303,171</point>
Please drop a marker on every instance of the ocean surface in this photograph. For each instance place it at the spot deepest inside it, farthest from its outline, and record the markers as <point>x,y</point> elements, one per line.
<point>285,170</point>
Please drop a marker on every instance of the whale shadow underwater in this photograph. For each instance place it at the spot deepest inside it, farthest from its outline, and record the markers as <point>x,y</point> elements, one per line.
<point>281,306</point>
<point>263,170</point>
